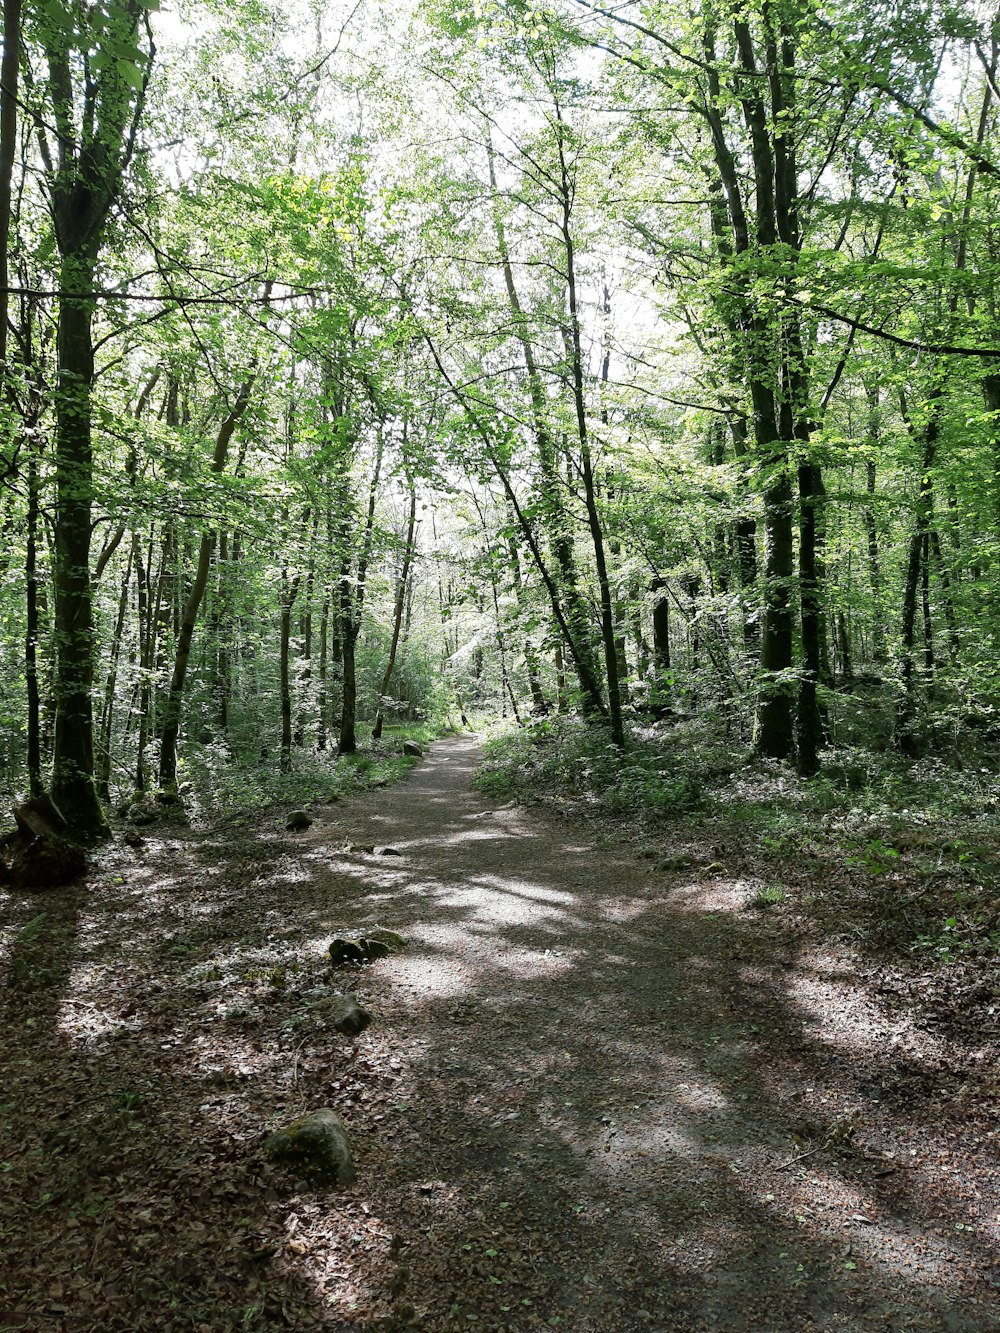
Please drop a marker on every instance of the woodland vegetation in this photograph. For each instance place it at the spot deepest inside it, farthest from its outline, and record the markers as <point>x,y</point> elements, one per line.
<point>617,377</point>
<point>366,363</point>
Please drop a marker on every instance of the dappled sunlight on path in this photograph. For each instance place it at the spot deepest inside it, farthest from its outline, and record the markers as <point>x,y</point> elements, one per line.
<point>612,1082</point>
<point>593,1098</point>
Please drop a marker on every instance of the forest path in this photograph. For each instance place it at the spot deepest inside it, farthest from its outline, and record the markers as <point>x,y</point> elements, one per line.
<point>603,1074</point>
<point>577,1107</point>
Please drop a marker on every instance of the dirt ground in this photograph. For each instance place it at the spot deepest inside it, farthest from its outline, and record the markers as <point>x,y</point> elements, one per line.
<point>597,1095</point>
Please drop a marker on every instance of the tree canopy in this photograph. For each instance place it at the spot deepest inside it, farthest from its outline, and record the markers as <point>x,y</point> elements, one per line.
<point>364,362</point>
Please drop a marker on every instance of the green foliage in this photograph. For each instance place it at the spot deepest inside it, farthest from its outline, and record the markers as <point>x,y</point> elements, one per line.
<point>971,934</point>
<point>563,758</point>
<point>30,932</point>
<point>229,790</point>
<point>875,855</point>
<point>771,895</point>
<point>347,266</point>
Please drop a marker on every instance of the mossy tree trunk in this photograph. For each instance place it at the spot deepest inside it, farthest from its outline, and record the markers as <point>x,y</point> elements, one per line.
<point>91,118</point>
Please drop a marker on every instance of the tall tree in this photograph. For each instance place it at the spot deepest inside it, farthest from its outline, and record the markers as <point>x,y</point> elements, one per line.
<point>90,96</point>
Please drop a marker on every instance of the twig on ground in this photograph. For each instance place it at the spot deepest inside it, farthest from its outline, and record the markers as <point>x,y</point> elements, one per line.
<point>801,1157</point>
<point>295,1063</point>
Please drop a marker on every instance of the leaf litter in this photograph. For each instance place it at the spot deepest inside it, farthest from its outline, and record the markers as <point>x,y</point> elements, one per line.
<point>597,1095</point>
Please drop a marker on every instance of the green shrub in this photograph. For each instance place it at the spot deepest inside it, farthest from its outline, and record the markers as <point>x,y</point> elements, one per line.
<point>567,758</point>
<point>223,787</point>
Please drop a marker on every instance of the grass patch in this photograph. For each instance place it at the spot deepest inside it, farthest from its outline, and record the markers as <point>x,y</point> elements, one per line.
<point>772,895</point>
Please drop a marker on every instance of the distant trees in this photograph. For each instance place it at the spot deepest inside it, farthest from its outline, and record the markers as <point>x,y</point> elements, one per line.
<point>664,383</point>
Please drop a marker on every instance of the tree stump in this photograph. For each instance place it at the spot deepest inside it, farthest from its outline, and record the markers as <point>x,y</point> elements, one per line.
<point>44,857</point>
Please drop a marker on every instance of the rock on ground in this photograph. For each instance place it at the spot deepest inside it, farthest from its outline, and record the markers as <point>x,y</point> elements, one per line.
<point>364,946</point>
<point>316,1147</point>
<point>391,938</point>
<point>349,1017</point>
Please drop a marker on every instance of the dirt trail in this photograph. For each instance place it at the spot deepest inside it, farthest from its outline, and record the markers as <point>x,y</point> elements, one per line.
<point>578,1106</point>
<point>610,1069</point>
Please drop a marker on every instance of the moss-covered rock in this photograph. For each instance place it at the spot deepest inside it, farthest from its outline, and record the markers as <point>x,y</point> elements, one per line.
<point>315,1147</point>
<point>365,946</point>
<point>349,1017</point>
<point>383,935</point>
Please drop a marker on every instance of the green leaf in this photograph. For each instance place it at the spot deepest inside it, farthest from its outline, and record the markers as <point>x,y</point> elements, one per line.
<point>130,72</point>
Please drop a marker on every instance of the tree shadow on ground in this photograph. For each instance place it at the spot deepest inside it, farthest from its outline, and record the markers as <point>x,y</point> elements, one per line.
<point>127,1205</point>
<point>578,1107</point>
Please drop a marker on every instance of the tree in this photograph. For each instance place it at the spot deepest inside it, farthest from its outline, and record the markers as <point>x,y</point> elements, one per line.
<point>88,100</point>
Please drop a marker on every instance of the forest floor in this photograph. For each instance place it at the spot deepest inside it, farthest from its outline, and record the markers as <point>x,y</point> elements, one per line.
<point>601,1093</point>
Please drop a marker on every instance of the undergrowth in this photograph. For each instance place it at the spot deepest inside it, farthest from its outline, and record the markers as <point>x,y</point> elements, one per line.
<point>900,854</point>
<point>561,758</point>
<point>220,788</point>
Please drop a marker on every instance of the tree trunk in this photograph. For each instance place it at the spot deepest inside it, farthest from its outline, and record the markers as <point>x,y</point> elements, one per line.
<point>809,724</point>
<point>947,601</point>
<point>336,667</point>
<point>397,614</point>
<point>147,655</point>
<point>352,603</point>
<point>570,612</point>
<point>907,707</point>
<point>287,598</point>
<point>289,593</point>
<point>9,71</point>
<point>73,788</point>
<point>170,728</point>
<point>35,784</point>
<point>608,631</point>
<point>925,603</point>
<point>223,618</point>
<point>661,643</point>
<point>745,536</point>
<point>642,649</point>
<point>614,547</point>
<point>539,704</point>
<point>560,667</point>
<point>846,657</point>
<point>774,730</point>
<point>110,686</point>
<point>991,398</point>
<point>321,684</point>
<point>506,686</point>
<point>84,180</point>
<point>874,568</point>
<point>349,689</point>
<point>305,675</point>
